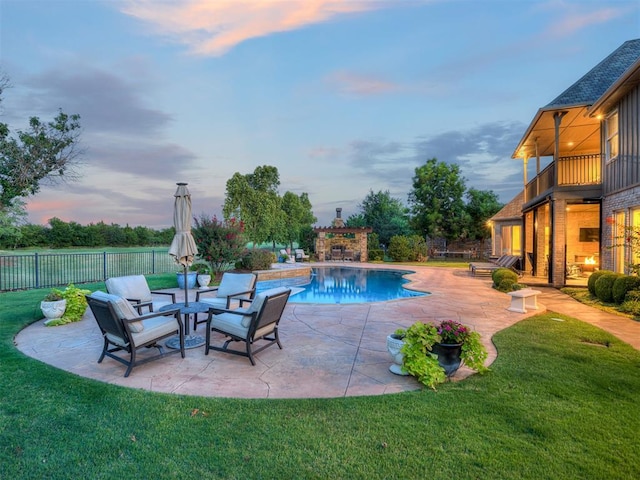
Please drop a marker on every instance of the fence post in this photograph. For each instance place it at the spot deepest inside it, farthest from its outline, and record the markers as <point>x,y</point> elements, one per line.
<point>104,265</point>
<point>37,269</point>
<point>153,262</point>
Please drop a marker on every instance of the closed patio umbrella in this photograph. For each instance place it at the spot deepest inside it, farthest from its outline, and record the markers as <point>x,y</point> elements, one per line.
<point>183,247</point>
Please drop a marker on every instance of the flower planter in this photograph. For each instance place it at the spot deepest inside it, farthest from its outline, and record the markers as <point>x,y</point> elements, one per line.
<point>394,345</point>
<point>191,279</point>
<point>448,356</point>
<point>204,280</point>
<point>53,310</point>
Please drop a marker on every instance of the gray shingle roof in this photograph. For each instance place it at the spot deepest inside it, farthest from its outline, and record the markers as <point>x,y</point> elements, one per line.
<point>595,82</point>
<point>512,210</point>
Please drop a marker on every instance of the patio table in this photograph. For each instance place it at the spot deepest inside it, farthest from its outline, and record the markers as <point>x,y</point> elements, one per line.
<point>193,308</point>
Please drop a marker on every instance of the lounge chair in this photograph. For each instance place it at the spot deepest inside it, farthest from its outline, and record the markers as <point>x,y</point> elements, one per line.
<point>123,329</point>
<point>336,254</point>
<point>505,261</point>
<point>135,289</point>
<point>289,258</point>
<point>258,322</point>
<point>300,255</point>
<point>233,287</point>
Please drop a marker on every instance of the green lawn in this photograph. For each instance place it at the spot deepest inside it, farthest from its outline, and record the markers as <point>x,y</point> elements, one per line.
<point>558,403</point>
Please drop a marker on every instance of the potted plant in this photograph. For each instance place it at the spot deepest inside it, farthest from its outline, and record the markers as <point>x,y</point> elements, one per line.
<point>432,353</point>
<point>395,342</point>
<point>204,275</point>
<point>53,305</point>
<point>191,279</point>
<point>69,305</point>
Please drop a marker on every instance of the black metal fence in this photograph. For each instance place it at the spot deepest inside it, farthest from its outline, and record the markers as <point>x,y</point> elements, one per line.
<point>38,270</point>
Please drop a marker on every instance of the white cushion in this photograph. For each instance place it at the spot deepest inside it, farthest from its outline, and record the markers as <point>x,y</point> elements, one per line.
<point>231,323</point>
<point>233,283</point>
<point>122,307</point>
<point>132,286</point>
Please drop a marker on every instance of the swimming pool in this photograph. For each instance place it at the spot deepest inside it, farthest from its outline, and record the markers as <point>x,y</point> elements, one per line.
<point>346,285</point>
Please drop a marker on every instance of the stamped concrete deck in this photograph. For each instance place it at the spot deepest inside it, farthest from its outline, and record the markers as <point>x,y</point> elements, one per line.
<point>329,350</point>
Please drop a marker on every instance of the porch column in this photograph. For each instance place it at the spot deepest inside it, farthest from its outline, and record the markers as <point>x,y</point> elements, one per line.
<point>557,120</point>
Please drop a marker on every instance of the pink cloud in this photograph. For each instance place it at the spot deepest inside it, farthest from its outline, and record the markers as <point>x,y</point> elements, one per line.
<point>573,22</point>
<point>213,28</point>
<point>360,85</point>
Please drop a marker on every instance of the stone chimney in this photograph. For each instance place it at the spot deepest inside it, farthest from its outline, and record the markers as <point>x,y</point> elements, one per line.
<point>338,222</point>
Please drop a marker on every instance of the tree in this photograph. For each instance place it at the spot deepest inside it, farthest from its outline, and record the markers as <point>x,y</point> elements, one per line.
<point>11,219</point>
<point>44,153</point>
<point>253,199</point>
<point>437,204</point>
<point>386,215</point>
<point>481,206</point>
<point>298,216</point>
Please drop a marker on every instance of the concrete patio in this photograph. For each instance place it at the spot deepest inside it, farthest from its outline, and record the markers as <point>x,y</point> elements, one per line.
<point>329,350</point>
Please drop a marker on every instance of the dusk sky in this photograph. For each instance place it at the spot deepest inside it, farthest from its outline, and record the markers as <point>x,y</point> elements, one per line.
<point>342,97</point>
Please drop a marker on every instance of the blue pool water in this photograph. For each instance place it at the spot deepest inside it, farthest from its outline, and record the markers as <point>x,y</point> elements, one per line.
<point>345,285</point>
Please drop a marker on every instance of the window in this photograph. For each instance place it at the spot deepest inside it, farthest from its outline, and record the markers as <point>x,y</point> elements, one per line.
<point>618,243</point>
<point>511,241</point>
<point>611,131</point>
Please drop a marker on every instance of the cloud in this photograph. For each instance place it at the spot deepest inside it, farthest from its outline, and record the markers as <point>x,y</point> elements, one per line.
<point>360,85</point>
<point>573,21</point>
<point>105,101</point>
<point>212,28</point>
<point>483,154</point>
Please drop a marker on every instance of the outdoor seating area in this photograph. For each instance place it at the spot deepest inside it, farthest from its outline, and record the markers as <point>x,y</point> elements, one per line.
<point>328,350</point>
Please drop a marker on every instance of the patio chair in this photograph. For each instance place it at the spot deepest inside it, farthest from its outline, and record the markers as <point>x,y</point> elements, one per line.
<point>135,289</point>
<point>336,254</point>
<point>258,322</point>
<point>233,286</point>
<point>123,329</point>
<point>300,255</point>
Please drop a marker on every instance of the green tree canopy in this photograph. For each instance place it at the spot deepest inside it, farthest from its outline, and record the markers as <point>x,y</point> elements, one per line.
<point>481,206</point>
<point>437,205</point>
<point>267,217</point>
<point>44,153</point>
<point>253,198</point>
<point>386,215</point>
<point>298,216</point>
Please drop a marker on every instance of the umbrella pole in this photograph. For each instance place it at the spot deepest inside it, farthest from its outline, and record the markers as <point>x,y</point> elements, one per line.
<point>186,289</point>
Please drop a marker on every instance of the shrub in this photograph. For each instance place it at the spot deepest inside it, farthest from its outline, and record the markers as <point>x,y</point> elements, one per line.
<point>622,285</point>
<point>604,287</point>
<point>593,278</point>
<point>418,247</point>
<point>219,243</point>
<point>501,273</point>
<point>399,248</point>
<point>258,259</point>
<point>506,284</point>
<point>376,255</point>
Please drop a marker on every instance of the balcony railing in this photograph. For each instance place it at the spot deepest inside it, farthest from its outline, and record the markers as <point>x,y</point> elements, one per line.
<point>576,170</point>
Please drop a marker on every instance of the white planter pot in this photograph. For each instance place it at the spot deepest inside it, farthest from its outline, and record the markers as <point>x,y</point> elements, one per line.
<point>204,280</point>
<point>394,345</point>
<point>52,310</point>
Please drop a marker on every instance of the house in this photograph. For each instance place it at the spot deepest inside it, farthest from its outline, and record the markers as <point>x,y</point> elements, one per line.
<point>506,228</point>
<point>576,206</point>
